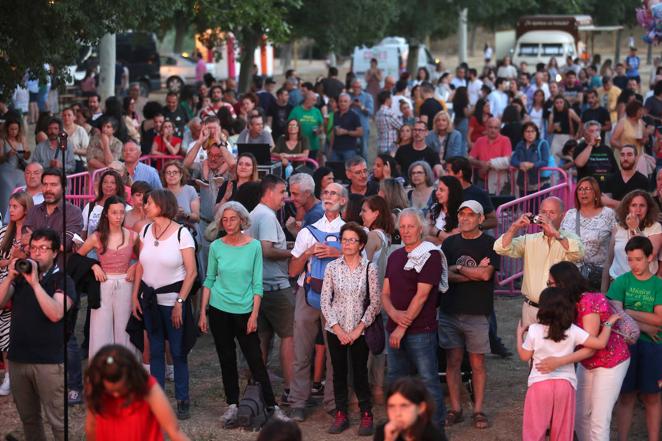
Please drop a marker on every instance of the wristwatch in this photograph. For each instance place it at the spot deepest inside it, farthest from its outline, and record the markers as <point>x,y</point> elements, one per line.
<point>180,300</point>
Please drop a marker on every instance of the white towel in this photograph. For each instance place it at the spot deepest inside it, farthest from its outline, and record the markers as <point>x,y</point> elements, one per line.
<point>418,256</point>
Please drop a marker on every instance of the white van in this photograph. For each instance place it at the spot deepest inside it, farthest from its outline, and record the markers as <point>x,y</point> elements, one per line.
<point>391,54</point>
<point>535,47</point>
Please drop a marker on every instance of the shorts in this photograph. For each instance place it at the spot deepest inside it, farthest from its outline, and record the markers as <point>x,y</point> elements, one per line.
<point>34,96</point>
<point>645,372</point>
<point>464,330</point>
<point>276,313</point>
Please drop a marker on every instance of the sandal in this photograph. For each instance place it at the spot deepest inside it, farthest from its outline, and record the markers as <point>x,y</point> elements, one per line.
<point>454,417</point>
<point>480,420</point>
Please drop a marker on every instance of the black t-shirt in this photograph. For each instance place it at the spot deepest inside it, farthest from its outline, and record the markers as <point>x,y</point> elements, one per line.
<point>469,297</point>
<point>266,101</point>
<point>619,188</point>
<point>371,190</point>
<point>348,121</point>
<point>279,118</point>
<point>332,87</point>
<point>620,81</point>
<point>601,164</point>
<point>600,115</point>
<point>654,106</point>
<point>34,338</point>
<point>430,433</point>
<point>476,194</point>
<point>406,155</point>
<point>146,139</point>
<point>430,108</point>
<point>512,131</point>
<point>179,118</point>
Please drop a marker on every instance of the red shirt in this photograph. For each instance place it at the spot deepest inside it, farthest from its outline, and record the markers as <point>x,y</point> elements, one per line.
<point>478,129</point>
<point>484,149</point>
<point>174,141</point>
<point>616,350</point>
<point>134,422</point>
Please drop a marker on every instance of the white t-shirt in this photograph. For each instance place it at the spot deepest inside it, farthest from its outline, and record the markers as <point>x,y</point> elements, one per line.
<point>164,265</point>
<point>544,347</point>
<point>305,239</point>
<point>91,220</point>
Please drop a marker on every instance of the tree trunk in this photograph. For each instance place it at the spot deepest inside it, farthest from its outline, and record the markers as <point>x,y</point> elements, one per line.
<point>412,59</point>
<point>462,35</point>
<point>285,57</point>
<point>248,44</point>
<point>107,60</point>
<point>472,40</point>
<point>181,26</point>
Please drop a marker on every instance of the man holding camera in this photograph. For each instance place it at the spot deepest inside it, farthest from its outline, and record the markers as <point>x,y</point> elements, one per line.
<point>539,250</point>
<point>39,290</point>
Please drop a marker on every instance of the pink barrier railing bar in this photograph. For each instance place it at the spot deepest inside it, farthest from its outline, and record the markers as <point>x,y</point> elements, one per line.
<point>159,160</point>
<point>81,187</point>
<point>511,269</point>
<point>301,160</point>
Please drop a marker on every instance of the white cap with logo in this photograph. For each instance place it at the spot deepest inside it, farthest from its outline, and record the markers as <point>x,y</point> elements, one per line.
<point>474,206</point>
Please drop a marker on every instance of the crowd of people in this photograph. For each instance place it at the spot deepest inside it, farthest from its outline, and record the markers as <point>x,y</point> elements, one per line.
<point>363,271</point>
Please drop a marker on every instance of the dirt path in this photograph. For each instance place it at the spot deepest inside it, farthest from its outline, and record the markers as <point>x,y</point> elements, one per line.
<point>506,388</point>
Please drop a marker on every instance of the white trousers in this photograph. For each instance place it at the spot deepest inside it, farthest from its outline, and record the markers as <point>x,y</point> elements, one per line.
<point>597,392</point>
<point>108,322</point>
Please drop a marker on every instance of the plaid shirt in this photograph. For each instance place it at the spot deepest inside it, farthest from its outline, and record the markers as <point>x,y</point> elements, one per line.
<point>387,129</point>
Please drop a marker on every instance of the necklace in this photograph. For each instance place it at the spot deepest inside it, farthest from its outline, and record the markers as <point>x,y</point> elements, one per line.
<point>157,237</point>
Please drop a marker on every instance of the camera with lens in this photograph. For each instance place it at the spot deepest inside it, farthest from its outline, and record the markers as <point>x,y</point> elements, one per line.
<point>24,266</point>
<point>535,219</point>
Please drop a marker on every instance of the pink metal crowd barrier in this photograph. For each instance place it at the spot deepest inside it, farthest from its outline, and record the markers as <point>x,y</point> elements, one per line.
<point>301,161</point>
<point>81,187</point>
<point>511,269</point>
<point>508,183</point>
<point>157,161</point>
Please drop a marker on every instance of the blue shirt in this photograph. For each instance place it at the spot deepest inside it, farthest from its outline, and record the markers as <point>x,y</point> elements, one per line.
<point>632,66</point>
<point>348,121</point>
<point>313,215</point>
<point>148,174</point>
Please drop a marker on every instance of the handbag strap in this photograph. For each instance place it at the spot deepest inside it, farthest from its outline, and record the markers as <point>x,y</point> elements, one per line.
<point>577,223</point>
<point>366,301</point>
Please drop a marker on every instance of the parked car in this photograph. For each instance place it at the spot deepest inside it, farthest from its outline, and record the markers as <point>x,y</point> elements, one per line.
<point>177,69</point>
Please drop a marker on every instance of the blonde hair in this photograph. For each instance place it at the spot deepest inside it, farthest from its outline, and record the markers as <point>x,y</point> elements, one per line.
<point>443,114</point>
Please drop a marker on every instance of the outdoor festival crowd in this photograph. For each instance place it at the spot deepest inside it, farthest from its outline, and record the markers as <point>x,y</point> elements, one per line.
<point>374,277</point>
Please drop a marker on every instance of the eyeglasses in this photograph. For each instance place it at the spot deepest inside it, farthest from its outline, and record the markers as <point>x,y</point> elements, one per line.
<point>330,193</point>
<point>40,249</point>
<point>349,240</point>
<point>584,189</point>
<point>417,172</point>
<point>33,173</point>
<point>361,172</point>
<point>172,173</point>
<point>420,130</point>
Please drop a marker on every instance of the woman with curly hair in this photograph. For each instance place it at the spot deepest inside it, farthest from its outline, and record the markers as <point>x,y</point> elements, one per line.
<point>636,215</point>
<point>443,213</point>
<point>124,401</point>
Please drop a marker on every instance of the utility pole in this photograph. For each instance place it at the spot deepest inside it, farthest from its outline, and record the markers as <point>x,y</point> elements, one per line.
<point>107,60</point>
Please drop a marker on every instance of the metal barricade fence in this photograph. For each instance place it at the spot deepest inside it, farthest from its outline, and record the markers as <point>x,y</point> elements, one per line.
<point>510,270</point>
<point>157,161</point>
<point>81,187</point>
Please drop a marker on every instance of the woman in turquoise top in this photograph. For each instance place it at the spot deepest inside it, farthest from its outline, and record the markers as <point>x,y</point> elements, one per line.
<point>233,291</point>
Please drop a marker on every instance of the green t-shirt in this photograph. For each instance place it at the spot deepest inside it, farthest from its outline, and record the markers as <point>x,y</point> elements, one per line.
<point>309,121</point>
<point>638,295</point>
<point>234,276</point>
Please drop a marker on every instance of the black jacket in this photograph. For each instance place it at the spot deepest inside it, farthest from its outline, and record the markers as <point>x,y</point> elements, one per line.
<point>149,305</point>
<point>79,268</point>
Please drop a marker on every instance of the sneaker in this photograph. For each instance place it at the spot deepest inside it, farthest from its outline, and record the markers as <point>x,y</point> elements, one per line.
<point>74,397</point>
<point>502,351</point>
<point>298,414</point>
<point>5,388</point>
<point>340,424</point>
<point>277,413</point>
<point>230,417</point>
<point>318,389</point>
<point>366,427</point>
<point>183,412</point>
<point>170,372</point>
<point>285,398</point>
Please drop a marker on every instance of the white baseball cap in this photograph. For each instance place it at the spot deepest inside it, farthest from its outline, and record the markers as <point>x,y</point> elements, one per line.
<point>474,206</point>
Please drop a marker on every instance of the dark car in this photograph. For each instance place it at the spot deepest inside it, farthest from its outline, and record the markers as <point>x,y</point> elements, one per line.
<point>137,50</point>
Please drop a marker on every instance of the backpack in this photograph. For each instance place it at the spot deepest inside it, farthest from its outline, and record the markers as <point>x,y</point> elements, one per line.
<point>315,275</point>
<point>551,162</point>
<point>251,411</point>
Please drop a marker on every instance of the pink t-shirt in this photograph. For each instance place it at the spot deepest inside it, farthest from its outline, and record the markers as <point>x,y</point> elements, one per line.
<point>616,350</point>
<point>484,149</point>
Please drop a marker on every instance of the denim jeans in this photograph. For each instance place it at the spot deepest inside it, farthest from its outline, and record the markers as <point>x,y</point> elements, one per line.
<point>418,354</point>
<point>74,370</point>
<point>157,337</point>
<point>344,155</point>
